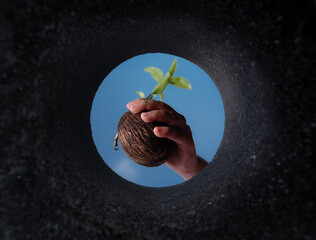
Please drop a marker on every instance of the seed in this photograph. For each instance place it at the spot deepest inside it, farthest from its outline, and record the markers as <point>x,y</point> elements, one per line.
<point>139,142</point>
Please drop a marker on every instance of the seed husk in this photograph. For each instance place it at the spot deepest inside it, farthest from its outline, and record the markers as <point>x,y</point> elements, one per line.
<point>139,142</point>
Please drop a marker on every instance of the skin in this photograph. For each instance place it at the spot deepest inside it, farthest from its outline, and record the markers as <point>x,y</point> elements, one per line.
<point>184,160</point>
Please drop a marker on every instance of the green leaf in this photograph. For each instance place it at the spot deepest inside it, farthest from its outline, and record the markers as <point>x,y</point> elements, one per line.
<point>141,94</point>
<point>161,86</point>
<point>181,82</point>
<point>161,96</point>
<point>155,72</point>
<point>173,67</point>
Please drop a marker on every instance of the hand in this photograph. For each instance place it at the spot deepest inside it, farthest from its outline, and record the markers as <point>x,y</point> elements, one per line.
<point>184,160</point>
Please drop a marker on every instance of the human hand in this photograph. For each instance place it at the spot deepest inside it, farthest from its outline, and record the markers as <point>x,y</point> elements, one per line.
<point>184,160</point>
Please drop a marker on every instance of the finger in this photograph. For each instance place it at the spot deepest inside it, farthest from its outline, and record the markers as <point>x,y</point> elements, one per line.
<point>142,105</point>
<point>170,118</point>
<point>183,118</point>
<point>183,138</point>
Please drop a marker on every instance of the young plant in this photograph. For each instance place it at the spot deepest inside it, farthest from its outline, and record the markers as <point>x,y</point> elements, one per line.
<point>136,137</point>
<point>163,81</point>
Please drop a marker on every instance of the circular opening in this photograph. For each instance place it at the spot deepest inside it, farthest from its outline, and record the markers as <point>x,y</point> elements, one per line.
<point>202,107</point>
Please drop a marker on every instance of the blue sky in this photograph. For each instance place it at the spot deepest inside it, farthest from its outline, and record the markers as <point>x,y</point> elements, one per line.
<point>202,107</point>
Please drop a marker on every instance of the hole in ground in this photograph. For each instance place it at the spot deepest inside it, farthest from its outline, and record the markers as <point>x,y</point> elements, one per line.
<point>202,107</point>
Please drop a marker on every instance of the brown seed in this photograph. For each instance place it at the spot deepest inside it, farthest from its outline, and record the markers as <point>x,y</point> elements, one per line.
<point>139,142</point>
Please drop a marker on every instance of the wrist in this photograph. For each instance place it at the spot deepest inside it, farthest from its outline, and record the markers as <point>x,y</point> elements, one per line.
<point>190,170</point>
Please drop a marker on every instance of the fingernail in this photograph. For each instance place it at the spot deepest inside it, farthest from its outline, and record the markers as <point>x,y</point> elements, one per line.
<point>157,130</point>
<point>144,114</point>
<point>132,106</point>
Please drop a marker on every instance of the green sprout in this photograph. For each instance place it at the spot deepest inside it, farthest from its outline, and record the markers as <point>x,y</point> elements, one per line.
<point>163,81</point>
